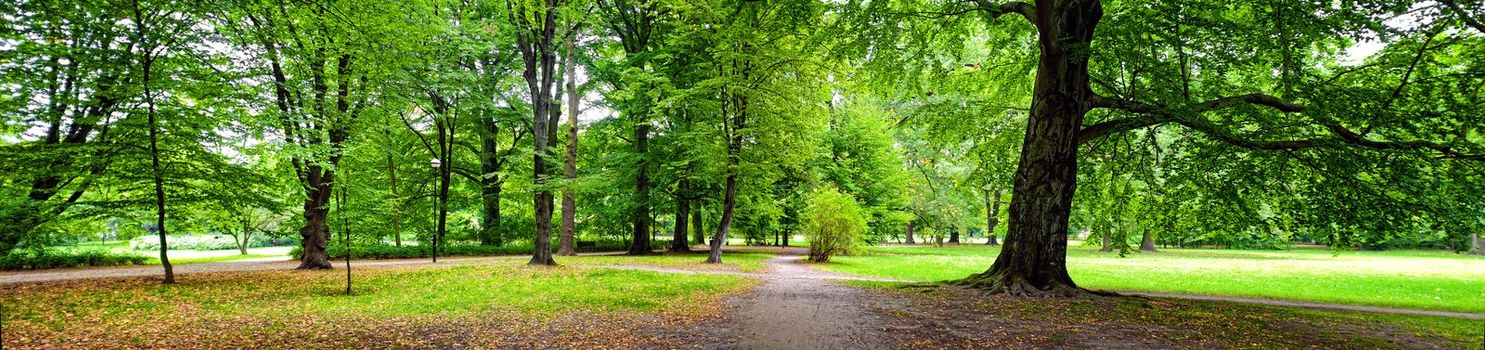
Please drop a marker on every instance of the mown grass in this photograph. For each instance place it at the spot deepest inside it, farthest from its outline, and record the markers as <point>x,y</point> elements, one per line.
<point>1407,279</point>
<point>747,262</point>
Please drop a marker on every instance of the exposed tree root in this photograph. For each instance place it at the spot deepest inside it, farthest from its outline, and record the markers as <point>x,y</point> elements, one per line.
<point>995,283</point>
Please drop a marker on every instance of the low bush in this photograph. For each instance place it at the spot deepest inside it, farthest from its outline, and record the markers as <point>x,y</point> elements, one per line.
<point>22,259</point>
<point>834,224</point>
<point>207,242</point>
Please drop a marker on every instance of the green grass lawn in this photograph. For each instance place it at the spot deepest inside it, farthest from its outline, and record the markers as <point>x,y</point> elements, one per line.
<point>1407,279</point>
<point>84,311</point>
<point>748,262</point>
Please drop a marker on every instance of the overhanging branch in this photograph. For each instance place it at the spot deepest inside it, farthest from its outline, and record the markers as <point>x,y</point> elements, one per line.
<point>1149,115</point>
<point>1027,11</point>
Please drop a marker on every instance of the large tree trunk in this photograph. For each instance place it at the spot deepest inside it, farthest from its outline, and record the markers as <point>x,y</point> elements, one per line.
<point>641,214</point>
<point>678,239</point>
<point>992,216</point>
<point>569,169</point>
<point>729,201</point>
<point>1034,260</point>
<point>1477,246</point>
<point>1108,242</point>
<point>954,235</point>
<point>910,233</point>
<point>315,231</point>
<point>1147,243</point>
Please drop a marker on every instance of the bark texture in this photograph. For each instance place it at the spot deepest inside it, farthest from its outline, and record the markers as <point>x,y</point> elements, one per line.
<point>1033,261</point>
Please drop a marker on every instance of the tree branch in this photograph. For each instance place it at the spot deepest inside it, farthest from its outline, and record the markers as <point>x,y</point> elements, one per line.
<point>1027,11</point>
<point>1464,16</point>
<point>1153,115</point>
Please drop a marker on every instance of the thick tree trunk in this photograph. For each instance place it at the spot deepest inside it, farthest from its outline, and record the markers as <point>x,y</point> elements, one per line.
<point>729,200</point>
<point>569,168</point>
<point>316,231</point>
<point>1108,243</point>
<point>490,183</point>
<point>992,216</point>
<point>1034,260</point>
<point>1147,243</point>
<point>1477,246</point>
<point>678,238</point>
<point>954,235</point>
<point>910,233</point>
<point>641,214</point>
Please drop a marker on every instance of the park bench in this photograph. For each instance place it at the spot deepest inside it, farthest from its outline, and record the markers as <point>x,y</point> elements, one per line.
<point>587,246</point>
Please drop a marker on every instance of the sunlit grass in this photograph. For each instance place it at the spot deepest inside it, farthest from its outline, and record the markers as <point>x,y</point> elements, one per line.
<point>749,262</point>
<point>1408,279</point>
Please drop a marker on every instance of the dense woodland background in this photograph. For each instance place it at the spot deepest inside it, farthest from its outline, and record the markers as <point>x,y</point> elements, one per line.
<point>1247,124</point>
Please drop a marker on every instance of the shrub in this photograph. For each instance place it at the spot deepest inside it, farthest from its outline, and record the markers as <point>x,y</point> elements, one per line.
<point>206,242</point>
<point>19,259</point>
<point>833,223</point>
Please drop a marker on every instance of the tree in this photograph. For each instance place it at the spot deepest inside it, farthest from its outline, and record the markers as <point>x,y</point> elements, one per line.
<point>319,68</point>
<point>536,28</point>
<point>1077,74</point>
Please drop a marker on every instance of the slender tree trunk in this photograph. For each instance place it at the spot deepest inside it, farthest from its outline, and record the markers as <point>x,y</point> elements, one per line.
<point>445,172</point>
<point>992,216</point>
<point>159,173</point>
<point>910,233</point>
<point>396,200</point>
<point>678,239</point>
<point>641,215</point>
<point>1147,243</point>
<point>242,246</point>
<point>1034,260</point>
<point>538,57</point>
<point>729,200</point>
<point>569,170</point>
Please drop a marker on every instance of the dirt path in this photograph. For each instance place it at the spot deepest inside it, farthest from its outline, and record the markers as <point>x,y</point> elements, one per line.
<point>796,308</point>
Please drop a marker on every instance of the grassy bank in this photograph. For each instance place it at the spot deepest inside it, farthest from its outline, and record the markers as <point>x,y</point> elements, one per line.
<point>1407,279</point>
